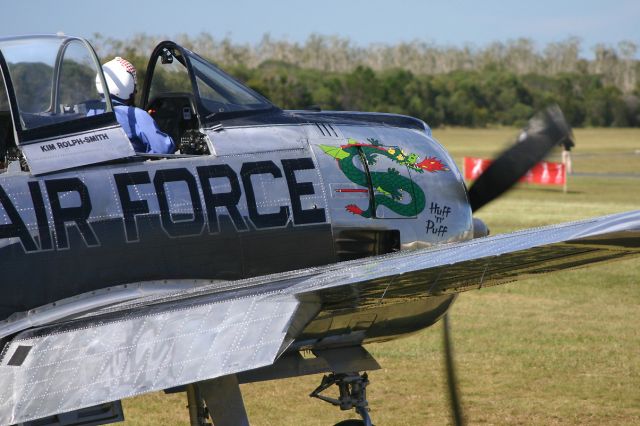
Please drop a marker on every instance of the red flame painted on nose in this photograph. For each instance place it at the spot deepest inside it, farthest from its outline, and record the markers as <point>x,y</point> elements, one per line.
<point>432,164</point>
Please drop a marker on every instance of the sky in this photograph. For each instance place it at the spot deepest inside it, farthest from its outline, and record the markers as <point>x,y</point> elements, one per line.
<point>443,22</point>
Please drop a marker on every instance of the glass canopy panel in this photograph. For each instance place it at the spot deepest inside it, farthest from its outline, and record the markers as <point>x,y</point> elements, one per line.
<point>54,79</point>
<point>178,72</point>
<point>170,76</point>
<point>219,92</point>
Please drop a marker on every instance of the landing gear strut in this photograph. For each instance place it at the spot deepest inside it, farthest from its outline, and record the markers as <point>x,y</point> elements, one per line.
<point>353,394</point>
<point>224,405</point>
<point>198,413</point>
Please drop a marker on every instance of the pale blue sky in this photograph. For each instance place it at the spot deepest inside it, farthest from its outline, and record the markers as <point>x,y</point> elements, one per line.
<point>445,22</point>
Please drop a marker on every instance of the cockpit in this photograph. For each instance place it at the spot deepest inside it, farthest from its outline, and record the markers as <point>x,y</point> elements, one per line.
<point>49,92</point>
<point>52,79</point>
<point>183,92</point>
<point>49,85</point>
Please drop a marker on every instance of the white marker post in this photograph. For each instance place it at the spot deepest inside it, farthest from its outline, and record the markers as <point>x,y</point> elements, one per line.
<point>566,161</point>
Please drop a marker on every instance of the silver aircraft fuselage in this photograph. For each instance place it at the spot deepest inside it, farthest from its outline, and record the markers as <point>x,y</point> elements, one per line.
<point>317,189</point>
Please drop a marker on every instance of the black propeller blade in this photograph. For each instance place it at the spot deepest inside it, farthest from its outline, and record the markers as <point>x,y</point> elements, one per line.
<point>452,382</point>
<point>545,130</point>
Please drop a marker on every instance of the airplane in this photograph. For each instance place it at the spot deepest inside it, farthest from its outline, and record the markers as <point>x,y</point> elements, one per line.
<point>272,244</point>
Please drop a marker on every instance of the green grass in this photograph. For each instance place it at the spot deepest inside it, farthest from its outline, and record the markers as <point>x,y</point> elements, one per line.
<point>563,349</point>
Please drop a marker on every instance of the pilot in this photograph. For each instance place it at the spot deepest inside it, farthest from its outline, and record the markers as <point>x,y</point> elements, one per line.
<point>141,129</point>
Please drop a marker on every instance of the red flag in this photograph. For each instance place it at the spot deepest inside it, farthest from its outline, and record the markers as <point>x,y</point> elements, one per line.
<point>543,173</point>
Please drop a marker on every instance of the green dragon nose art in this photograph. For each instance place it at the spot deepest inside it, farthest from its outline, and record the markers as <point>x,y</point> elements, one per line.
<point>390,187</point>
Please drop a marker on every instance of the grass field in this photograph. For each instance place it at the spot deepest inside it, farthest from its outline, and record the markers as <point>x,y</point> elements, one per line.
<point>564,349</point>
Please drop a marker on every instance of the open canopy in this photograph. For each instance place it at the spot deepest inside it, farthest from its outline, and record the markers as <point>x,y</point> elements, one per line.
<point>176,72</point>
<point>53,80</point>
<point>59,119</point>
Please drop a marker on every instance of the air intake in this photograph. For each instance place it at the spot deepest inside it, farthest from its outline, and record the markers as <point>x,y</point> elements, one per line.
<point>356,244</point>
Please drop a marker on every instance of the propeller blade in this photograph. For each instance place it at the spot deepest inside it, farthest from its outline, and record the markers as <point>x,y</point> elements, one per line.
<point>545,130</point>
<point>454,397</point>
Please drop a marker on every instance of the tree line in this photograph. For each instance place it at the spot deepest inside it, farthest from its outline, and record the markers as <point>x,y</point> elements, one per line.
<point>502,83</point>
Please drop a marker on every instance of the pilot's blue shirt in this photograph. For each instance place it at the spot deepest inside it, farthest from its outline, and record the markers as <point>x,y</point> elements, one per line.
<point>141,129</point>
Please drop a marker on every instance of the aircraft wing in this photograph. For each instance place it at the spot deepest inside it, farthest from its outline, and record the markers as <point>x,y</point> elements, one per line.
<point>60,359</point>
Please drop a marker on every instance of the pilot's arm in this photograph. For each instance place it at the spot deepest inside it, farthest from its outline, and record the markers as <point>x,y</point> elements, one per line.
<point>150,138</point>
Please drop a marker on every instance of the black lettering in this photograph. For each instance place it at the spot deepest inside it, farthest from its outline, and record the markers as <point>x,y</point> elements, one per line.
<point>266,220</point>
<point>228,199</point>
<point>440,230</point>
<point>178,228</point>
<point>298,189</point>
<point>430,226</point>
<point>131,208</point>
<point>78,214</point>
<point>16,227</point>
<point>44,232</point>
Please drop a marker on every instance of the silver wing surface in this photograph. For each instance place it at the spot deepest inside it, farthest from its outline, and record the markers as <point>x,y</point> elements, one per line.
<point>74,355</point>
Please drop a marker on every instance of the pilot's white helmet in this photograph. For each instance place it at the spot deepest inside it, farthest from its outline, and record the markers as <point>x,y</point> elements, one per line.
<point>120,76</point>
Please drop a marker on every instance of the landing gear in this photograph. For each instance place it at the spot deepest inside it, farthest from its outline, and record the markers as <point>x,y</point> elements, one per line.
<point>198,413</point>
<point>219,400</point>
<point>224,405</point>
<point>353,394</point>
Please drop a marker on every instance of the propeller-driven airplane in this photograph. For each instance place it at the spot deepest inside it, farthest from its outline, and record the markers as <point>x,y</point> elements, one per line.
<point>267,233</point>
